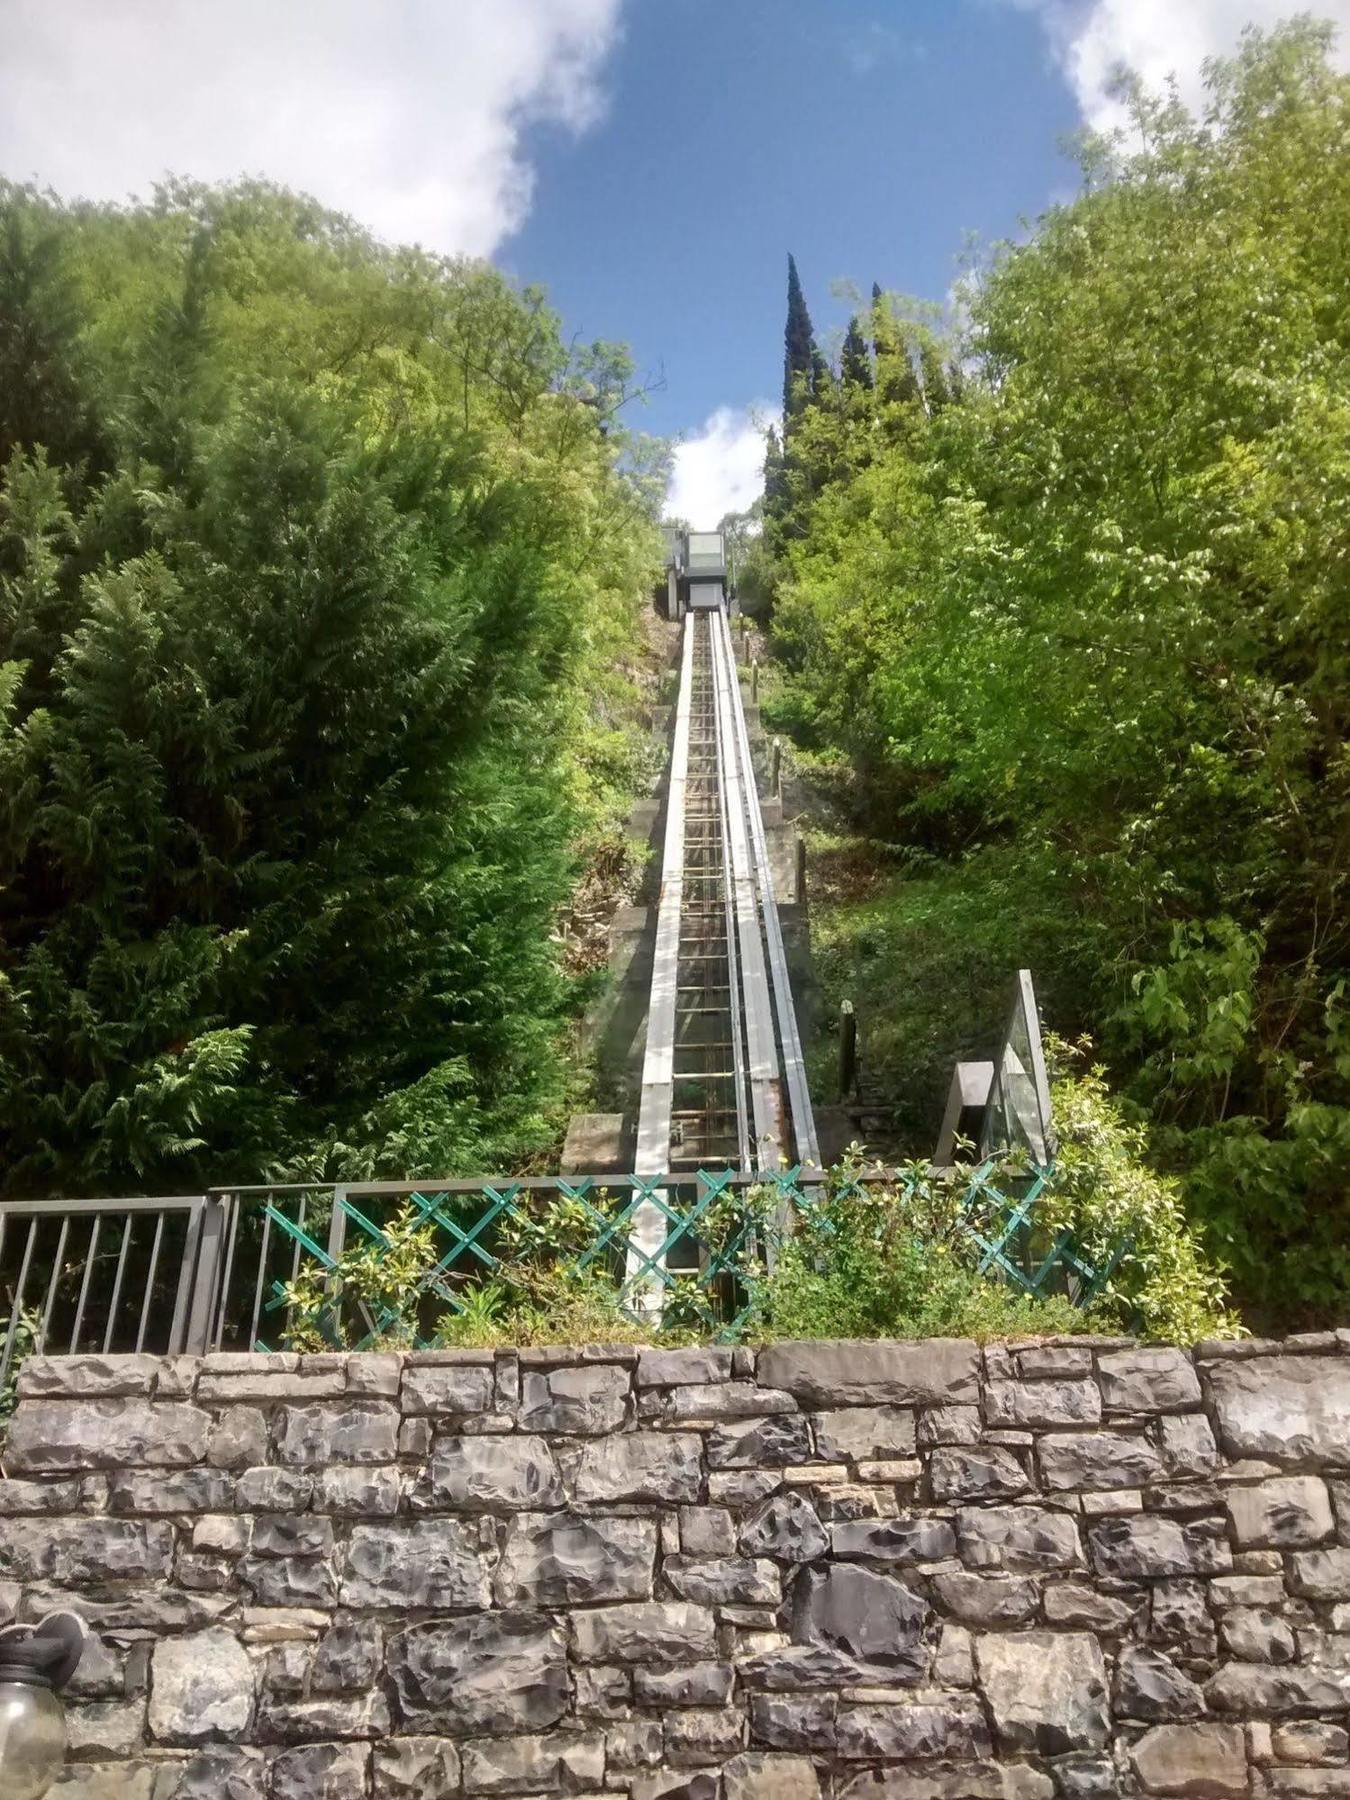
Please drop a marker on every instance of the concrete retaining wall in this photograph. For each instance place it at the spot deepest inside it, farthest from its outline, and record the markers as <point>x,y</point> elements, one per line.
<point>867,1571</point>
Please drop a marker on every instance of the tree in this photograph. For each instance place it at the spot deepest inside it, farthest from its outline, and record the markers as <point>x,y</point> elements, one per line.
<point>1082,636</point>
<point>855,365</point>
<point>310,695</point>
<point>799,352</point>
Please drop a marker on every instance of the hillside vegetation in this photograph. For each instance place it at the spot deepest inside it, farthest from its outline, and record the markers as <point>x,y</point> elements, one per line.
<point>319,566</point>
<point>1065,596</point>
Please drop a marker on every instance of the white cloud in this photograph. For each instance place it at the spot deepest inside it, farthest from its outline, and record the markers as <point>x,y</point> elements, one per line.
<point>1157,38</point>
<point>407,115</point>
<point>721,469</point>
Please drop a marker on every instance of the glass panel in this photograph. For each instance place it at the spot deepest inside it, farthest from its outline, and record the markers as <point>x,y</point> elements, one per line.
<point>1018,1115</point>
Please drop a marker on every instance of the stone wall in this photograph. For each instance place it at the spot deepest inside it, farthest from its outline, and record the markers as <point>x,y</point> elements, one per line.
<point>868,1571</point>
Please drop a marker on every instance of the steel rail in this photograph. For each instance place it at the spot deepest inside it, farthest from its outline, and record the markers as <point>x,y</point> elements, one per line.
<point>801,1115</point>
<point>756,1004</point>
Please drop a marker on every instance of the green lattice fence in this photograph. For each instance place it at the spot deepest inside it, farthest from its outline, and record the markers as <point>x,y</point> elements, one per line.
<point>711,1229</point>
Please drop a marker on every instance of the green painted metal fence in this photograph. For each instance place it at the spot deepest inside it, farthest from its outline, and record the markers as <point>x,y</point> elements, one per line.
<point>127,1274</point>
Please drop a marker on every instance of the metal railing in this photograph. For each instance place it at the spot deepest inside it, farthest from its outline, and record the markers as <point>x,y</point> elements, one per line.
<point>106,1274</point>
<point>209,1272</point>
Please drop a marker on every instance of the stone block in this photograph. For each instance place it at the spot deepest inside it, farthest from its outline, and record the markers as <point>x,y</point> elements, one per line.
<point>1247,1688</point>
<point>870,1617</point>
<point>361,1431</point>
<point>1186,1445</point>
<point>1019,1539</point>
<point>724,1580</point>
<point>765,1775</point>
<point>1041,1403</point>
<point>434,1563</point>
<point>1288,1513</point>
<point>1205,1761</point>
<point>1145,1380</point>
<point>1097,1459</point>
<point>238,1438</point>
<point>987,1599</point>
<point>1047,1691</point>
<point>696,1684</point>
<point>1286,1408</point>
<point>793,1721</point>
<point>202,1686</point>
<point>1150,1686</point>
<point>469,1474</point>
<point>533,1764</point>
<point>787,1527</point>
<point>708,1531</point>
<point>942,1371</point>
<point>864,1433</point>
<point>105,1728</point>
<point>363,1715</point>
<point>349,1657</point>
<point>679,1368</point>
<point>1149,1546</point>
<point>949,1425</point>
<point>72,1550</point>
<point>1255,1634</point>
<point>912,1540</point>
<point>454,1389</point>
<point>702,1735</point>
<point>322,1772</point>
<point>1321,1574</point>
<point>583,1402</point>
<point>358,1490</point>
<point>640,1465</point>
<point>759,1444</point>
<point>983,1473</point>
<point>572,1559</point>
<point>418,1768</point>
<point>491,1673</point>
<point>86,1377</point>
<point>273,1490</point>
<point>918,1730</point>
<point>58,1435</point>
<point>657,1632</point>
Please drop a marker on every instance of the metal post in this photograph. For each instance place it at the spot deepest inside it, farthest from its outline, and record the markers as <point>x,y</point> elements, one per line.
<point>754,682</point>
<point>800,895</point>
<point>205,1289</point>
<point>776,769</point>
<point>848,1049</point>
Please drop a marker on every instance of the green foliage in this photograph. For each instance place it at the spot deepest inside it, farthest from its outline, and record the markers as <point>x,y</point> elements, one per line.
<point>319,570</point>
<point>371,1296</point>
<point>1078,610</point>
<point>882,1261</point>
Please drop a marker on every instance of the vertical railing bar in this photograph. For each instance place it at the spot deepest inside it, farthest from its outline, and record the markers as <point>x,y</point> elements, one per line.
<point>295,1251</point>
<point>84,1285</point>
<point>204,1285</point>
<point>232,1205</point>
<point>258,1284</point>
<point>117,1285</point>
<point>150,1281</point>
<point>55,1281</point>
<point>299,1226</point>
<point>187,1276</point>
<point>17,1313</point>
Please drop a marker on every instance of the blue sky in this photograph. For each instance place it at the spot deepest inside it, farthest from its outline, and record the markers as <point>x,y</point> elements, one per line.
<point>651,162</point>
<point>866,136</point>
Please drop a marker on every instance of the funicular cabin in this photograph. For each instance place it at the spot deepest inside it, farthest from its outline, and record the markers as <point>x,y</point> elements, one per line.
<point>696,571</point>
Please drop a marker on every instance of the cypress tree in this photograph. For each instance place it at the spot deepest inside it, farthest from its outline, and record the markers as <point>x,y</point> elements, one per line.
<point>799,350</point>
<point>936,393</point>
<point>855,366</point>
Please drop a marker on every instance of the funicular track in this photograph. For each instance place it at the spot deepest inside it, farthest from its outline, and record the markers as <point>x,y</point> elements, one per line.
<point>723,1080</point>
